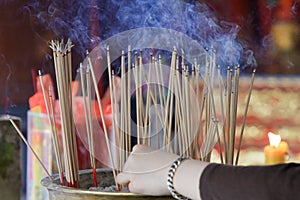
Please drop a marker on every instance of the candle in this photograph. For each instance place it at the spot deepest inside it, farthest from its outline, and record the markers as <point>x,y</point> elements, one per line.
<point>276,152</point>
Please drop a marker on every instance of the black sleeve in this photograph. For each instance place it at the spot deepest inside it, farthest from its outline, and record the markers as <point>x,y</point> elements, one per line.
<point>226,182</point>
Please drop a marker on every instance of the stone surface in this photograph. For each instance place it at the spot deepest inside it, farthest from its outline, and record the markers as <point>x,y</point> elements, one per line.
<point>10,167</point>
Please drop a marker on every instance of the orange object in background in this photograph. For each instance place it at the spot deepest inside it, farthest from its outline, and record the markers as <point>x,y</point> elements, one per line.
<point>36,102</point>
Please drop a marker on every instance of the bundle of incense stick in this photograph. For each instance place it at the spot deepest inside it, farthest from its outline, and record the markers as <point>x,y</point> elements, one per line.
<point>63,72</point>
<point>196,111</point>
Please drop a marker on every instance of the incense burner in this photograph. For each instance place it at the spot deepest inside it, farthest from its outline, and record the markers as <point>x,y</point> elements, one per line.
<point>59,192</point>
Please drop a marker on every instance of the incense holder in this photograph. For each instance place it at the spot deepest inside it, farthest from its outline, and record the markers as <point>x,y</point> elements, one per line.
<point>105,179</point>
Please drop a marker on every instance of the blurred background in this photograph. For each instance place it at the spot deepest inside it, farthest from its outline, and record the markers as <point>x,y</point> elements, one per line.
<point>268,28</point>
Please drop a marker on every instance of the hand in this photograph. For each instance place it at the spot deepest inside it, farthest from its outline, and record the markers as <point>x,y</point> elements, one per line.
<point>146,170</point>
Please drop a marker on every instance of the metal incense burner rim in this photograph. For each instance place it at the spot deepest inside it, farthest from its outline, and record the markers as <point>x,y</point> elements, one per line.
<point>104,177</point>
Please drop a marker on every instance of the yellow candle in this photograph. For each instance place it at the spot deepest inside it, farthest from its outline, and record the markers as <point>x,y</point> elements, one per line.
<point>277,151</point>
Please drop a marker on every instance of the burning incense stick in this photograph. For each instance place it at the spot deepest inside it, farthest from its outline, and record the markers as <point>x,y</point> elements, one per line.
<point>123,108</point>
<point>172,69</point>
<point>221,87</point>
<point>234,102</point>
<point>113,105</point>
<point>140,92</point>
<point>245,116</point>
<point>228,110</point>
<point>29,146</point>
<point>128,134</point>
<point>90,124</point>
<point>116,117</point>
<point>148,102</point>
<point>136,80</point>
<point>198,118</point>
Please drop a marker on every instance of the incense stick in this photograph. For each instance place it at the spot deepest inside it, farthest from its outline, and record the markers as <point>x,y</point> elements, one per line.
<point>234,101</point>
<point>56,140</point>
<point>117,123</point>
<point>103,120</point>
<point>137,97</point>
<point>140,92</point>
<point>123,108</point>
<point>88,117</point>
<point>245,116</point>
<point>30,147</point>
<point>228,110</point>
<point>148,101</point>
<point>53,128</point>
<point>167,105</point>
<point>90,124</point>
<point>128,133</point>
<point>221,86</point>
<point>113,104</point>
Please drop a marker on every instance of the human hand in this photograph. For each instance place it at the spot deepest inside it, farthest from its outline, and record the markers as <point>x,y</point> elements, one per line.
<point>146,170</point>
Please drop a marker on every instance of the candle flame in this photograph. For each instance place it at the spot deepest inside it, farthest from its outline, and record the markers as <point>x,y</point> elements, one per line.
<point>274,139</point>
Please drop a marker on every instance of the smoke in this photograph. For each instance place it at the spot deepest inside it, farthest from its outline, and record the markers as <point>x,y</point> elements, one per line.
<point>75,18</point>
